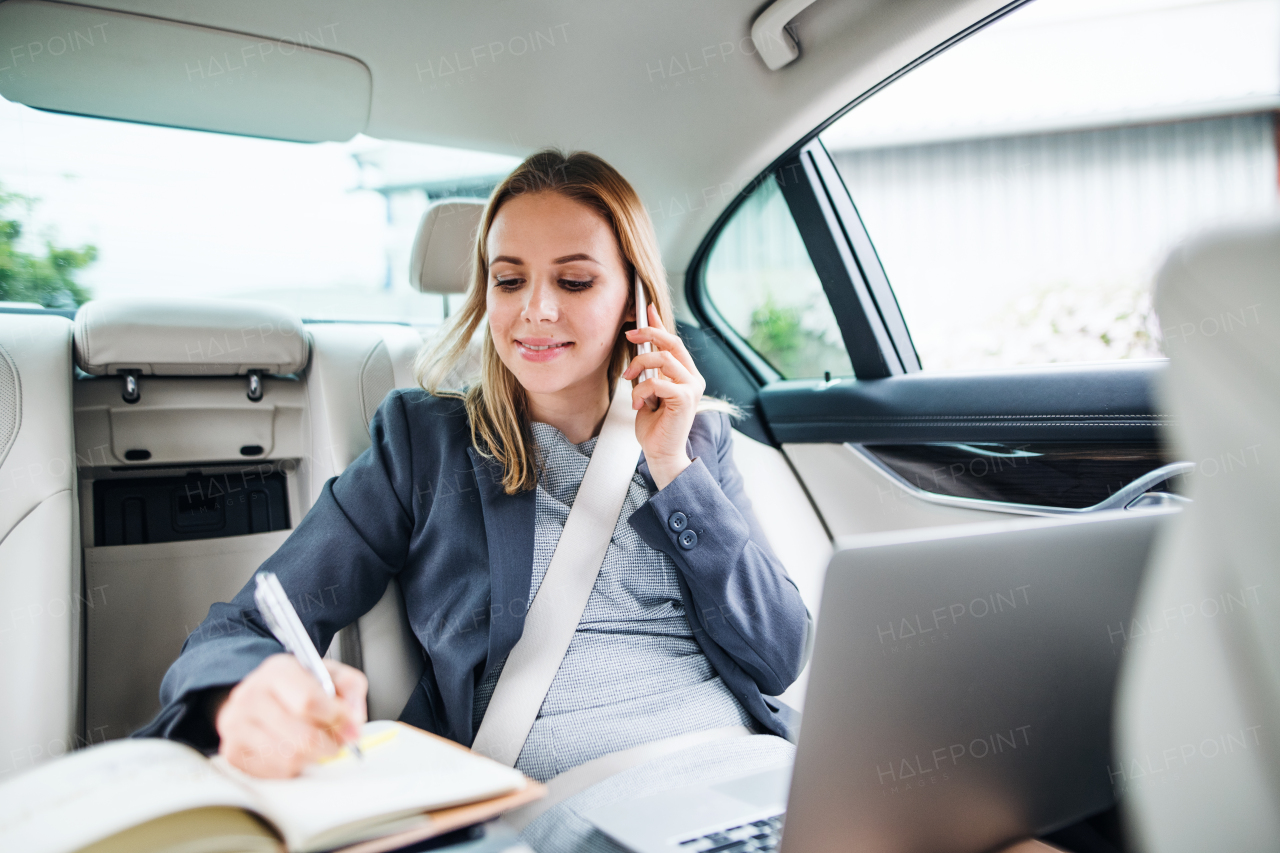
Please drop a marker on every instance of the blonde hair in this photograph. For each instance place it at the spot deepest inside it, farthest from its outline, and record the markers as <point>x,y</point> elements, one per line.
<point>496,403</point>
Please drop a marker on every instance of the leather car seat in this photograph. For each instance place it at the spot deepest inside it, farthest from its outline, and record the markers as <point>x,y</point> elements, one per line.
<point>41,599</point>
<point>381,642</point>
<point>1198,716</point>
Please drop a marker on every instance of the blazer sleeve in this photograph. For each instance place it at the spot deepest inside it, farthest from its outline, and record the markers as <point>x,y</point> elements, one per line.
<point>334,568</point>
<point>744,598</point>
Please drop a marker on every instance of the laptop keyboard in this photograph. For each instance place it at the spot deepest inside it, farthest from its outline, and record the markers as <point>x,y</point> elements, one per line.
<point>761,836</point>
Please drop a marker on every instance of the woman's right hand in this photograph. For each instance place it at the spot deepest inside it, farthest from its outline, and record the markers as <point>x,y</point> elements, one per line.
<point>279,719</point>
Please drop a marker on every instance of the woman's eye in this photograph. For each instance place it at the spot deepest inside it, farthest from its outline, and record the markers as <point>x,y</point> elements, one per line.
<point>507,283</point>
<point>572,284</point>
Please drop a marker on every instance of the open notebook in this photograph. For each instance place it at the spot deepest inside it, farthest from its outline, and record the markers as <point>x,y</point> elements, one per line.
<point>158,796</point>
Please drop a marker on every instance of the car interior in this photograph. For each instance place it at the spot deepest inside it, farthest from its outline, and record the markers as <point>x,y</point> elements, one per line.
<point>850,270</point>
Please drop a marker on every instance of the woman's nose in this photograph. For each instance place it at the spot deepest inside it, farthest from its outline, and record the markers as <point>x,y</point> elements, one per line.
<point>542,305</point>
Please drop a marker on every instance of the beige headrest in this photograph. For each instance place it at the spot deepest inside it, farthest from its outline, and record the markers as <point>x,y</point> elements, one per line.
<point>187,337</point>
<point>441,261</point>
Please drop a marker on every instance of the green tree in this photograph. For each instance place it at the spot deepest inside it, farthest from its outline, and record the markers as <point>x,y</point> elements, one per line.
<point>25,277</point>
<point>775,332</point>
<point>778,334</point>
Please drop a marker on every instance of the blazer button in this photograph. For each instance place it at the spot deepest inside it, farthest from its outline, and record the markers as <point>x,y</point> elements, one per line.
<point>687,540</point>
<point>678,521</point>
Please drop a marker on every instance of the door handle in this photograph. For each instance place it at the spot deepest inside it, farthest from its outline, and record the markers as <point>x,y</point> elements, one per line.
<point>1129,497</point>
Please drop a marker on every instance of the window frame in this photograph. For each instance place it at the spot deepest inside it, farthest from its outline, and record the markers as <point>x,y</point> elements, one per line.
<point>871,325</point>
<point>874,331</point>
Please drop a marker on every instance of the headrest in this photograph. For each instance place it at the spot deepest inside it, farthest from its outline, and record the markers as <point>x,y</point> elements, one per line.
<point>187,337</point>
<point>441,261</point>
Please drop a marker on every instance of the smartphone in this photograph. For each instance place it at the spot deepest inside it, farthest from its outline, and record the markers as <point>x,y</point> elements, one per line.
<point>642,322</point>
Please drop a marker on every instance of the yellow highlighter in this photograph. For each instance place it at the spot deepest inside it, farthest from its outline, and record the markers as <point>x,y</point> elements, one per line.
<point>361,746</point>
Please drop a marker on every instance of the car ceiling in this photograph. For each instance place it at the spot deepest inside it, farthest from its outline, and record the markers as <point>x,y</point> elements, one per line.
<point>611,83</point>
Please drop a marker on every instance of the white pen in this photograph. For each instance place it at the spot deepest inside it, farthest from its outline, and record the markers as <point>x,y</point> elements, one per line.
<point>284,623</point>
<point>642,322</point>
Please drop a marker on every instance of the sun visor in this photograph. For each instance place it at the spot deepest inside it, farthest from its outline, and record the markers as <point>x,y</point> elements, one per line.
<point>77,59</point>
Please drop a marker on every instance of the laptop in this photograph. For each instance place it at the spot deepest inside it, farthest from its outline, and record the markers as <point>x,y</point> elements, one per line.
<point>959,698</point>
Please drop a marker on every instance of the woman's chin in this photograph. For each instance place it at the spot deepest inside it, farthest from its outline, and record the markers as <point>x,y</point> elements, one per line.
<point>563,374</point>
<point>545,378</point>
<point>546,389</point>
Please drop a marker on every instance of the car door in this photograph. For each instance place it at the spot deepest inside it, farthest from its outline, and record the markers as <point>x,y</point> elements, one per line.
<point>939,306</point>
<point>878,442</point>
<point>881,443</point>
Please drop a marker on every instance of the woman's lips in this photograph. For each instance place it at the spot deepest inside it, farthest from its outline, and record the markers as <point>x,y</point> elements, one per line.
<point>541,349</point>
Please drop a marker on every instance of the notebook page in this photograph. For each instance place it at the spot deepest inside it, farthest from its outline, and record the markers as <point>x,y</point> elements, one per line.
<point>71,802</point>
<point>404,772</point>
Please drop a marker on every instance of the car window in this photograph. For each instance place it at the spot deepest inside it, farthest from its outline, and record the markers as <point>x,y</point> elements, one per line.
<point>324,229</point>
<point>760,279</point>
<point>1022,188</point>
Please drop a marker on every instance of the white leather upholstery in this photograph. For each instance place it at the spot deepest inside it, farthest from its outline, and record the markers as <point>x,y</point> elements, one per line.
<point>353,367</point>
<point>1198,722</point>
<point>389,654</point>
<point>187,337</point>
<point>442,251</point>
<point>381,642</point>
<point>41,600</point>
<point>792,526</point>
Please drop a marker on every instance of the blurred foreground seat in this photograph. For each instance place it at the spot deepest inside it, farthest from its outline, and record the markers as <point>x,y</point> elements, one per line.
<point>1198,760</point>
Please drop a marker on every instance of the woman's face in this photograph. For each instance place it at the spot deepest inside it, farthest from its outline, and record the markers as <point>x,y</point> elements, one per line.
<point>558,293</point>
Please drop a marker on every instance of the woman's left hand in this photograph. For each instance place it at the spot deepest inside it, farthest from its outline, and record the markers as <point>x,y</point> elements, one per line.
<point>664,433</point>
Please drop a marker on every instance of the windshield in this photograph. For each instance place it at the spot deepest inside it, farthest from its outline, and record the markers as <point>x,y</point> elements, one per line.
<point>322,229</point>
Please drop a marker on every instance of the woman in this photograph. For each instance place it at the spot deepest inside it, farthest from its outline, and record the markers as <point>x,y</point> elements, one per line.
<point>462,498</point>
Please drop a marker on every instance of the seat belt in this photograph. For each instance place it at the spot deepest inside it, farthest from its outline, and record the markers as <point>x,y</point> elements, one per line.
<point>554,614</point>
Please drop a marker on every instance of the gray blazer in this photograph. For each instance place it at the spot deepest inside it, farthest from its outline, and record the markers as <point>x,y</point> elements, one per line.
<point>423,506</point>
